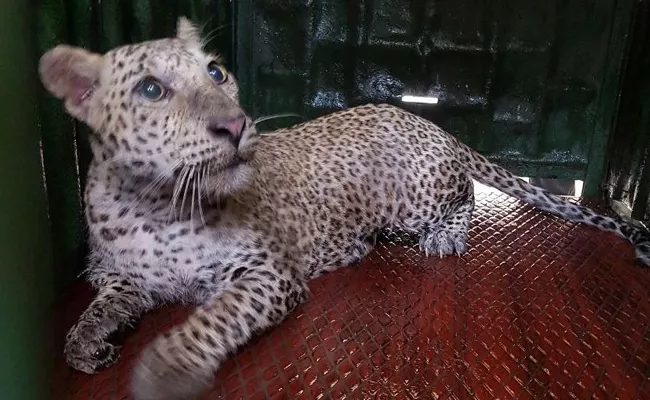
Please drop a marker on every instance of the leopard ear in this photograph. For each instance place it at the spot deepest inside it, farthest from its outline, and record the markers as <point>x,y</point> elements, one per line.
<point>71,74</point>
<point>188,32</point>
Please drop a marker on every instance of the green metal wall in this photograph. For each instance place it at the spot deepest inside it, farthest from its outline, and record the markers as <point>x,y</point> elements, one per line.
<point>26,281</point>
<point>533,85</point>
<point>628,176</point>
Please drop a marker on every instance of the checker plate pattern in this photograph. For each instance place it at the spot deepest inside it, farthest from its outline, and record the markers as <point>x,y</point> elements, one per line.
<point>538,308</point>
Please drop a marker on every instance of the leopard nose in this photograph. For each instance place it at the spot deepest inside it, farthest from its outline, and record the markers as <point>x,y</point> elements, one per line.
<point>228,127</point>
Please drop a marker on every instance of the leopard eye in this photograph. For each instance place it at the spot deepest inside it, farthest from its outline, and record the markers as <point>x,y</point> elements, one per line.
<point>217,72</point>
<point>151,89</point>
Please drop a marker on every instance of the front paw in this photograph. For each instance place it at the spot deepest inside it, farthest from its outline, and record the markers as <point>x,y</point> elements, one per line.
<point>86,349</point>
<point>160,376</point>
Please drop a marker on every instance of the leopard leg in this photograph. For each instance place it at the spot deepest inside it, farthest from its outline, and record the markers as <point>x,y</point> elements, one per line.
<point>447,232</point>
<point>117,305</point>
<point>181,363</point>
<point>450,235</point>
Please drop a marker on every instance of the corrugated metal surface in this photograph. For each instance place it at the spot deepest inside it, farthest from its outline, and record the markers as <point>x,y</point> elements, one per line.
<point>539,308</point>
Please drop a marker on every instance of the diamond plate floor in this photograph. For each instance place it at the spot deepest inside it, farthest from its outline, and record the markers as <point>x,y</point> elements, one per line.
<point>539,308</point>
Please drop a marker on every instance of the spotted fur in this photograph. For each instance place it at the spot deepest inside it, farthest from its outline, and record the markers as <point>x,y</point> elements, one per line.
<point>185,202</point>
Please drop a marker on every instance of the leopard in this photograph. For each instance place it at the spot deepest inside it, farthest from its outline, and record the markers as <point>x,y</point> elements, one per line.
<point>187,202</point>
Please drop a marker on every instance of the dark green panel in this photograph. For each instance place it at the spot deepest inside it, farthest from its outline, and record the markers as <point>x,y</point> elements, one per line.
<point>82,30</point>
<point>628,170</point>
<point>613,68</point>
<point>127,21</point>
<point>533,86</point>
<point>26,281</point>
<point>60,155</point>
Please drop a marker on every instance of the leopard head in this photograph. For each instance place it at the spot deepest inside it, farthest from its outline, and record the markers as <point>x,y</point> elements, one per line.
<point>160,109</point>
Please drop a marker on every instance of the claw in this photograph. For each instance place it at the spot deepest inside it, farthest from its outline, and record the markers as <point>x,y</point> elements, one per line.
<point>443,243</point>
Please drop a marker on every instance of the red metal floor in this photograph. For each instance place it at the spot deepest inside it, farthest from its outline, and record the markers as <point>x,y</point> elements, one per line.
<point>538,308</point>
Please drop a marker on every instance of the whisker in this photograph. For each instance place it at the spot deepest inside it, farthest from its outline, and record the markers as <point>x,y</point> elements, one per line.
<point>153,186</point>
<point>211,35</point>
<point>193,196</point>
<point>150,188</point>
<point>186,184</point>
<point>200,182</point>
<point>276,116</point>
<point>207,181</point>
<point>204,180</point>
<point>177,190</point>
<point>205,25</point>
<point>123,157</point>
